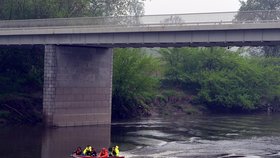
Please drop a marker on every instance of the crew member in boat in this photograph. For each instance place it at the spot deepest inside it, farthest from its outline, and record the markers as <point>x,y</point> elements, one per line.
<point>93,153</point>
<point>116,151</point>
<point>104,153</point>
<point>87,151</point>
<point>112,151</point>
<point>78,151</point>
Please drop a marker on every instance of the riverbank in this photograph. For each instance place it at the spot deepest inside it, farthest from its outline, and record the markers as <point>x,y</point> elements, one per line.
<point>176,103</point>
<point>26,109</point>
<point>21,109</point>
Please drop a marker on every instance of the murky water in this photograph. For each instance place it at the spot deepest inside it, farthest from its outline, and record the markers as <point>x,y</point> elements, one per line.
<point>211,136</point>
<point>205,136</point>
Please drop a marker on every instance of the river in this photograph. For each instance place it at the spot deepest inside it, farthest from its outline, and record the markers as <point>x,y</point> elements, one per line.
<point>222,136</point>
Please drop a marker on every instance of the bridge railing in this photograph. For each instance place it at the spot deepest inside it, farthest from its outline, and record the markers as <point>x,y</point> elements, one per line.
<point>217,18</point>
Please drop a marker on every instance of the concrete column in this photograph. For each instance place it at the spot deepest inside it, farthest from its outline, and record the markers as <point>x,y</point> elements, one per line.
<point>78,85</point>
<point>49,83</point>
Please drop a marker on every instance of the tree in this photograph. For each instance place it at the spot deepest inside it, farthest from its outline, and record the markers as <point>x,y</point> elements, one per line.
<point>173,19</point>
<point>34,9</point>
<point>116,8</point>
<point>264,10</point>
<point>134,82</point>
<point>125,12</point>
<point>259,5</point>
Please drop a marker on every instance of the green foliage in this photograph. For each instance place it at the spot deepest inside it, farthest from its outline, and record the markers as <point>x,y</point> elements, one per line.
<point>259,5</point>
<point>134,82</point>
<point>21,82</point>
<point>28,9</point>
<point>34,9</point>
<point>21,70</point>
<point>271,76</point>
<point>116,7</point>
<point>223,79</point>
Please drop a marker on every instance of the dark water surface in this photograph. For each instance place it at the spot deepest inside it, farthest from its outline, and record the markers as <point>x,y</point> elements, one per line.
<point>251,136</point>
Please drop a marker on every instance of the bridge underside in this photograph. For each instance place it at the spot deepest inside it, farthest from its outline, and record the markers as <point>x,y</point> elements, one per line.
<point>171,36</point>
<point>77,85</point>
<point>192,44</point>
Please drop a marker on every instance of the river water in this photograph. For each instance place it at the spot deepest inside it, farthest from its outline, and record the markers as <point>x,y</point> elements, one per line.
<point>221,136</point>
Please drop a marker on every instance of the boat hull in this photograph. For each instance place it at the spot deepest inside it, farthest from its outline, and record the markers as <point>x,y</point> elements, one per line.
<point>80,156</point>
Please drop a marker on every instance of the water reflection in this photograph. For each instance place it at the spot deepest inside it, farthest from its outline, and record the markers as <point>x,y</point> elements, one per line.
<point>202,136</point>
<point>36,142</point>
<point>20,141</point>
<point>60,142</point>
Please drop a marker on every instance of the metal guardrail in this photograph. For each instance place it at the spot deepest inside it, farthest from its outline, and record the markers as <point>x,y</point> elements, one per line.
<point>216,18</point>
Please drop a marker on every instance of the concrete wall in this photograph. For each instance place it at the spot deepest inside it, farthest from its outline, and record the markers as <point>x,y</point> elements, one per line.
<point>77,85</point>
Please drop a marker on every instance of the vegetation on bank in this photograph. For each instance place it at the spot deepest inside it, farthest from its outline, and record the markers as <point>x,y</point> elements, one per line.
<point>135,81</point>
<point>21,82</point>
<point>217,79</point>
<point>223,80</point>
<point>185,78</point>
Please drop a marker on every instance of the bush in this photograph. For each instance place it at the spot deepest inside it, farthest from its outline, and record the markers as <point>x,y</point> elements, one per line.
<point>223,79</point>
<point>134,82</point>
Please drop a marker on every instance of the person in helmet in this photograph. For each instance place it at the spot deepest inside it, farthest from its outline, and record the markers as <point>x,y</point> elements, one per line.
<point>116,151</point>
<point>87,151</point>
<point>78,151</point>
<point>104,153</point>
<point>93,153</point>
<point>112,151</point>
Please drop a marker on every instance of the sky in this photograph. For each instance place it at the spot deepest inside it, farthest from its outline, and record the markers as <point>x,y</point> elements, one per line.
<point>154,7</point>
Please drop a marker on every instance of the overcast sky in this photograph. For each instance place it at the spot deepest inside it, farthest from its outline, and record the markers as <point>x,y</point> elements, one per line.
<point>153,7</point>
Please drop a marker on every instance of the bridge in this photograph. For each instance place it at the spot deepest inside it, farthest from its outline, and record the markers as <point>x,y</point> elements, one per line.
<point>203,29</point>
<point>78,51</point>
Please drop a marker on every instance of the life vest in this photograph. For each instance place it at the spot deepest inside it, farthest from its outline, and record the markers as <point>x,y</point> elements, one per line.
<point>87,150</point>
<point>104,153</point>
<point>117,151</point>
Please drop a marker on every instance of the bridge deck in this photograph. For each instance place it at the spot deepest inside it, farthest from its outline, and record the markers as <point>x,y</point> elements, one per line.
<point>203,29</point>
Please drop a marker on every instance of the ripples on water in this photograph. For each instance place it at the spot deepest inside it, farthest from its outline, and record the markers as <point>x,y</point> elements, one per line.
<point>212,136</point>
<point>192,137</point>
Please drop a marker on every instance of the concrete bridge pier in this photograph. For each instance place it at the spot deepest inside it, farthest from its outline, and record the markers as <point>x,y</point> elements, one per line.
<point>77,85</point>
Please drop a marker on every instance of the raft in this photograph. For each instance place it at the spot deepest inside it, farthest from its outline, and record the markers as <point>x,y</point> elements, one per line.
<point>81,156</point>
